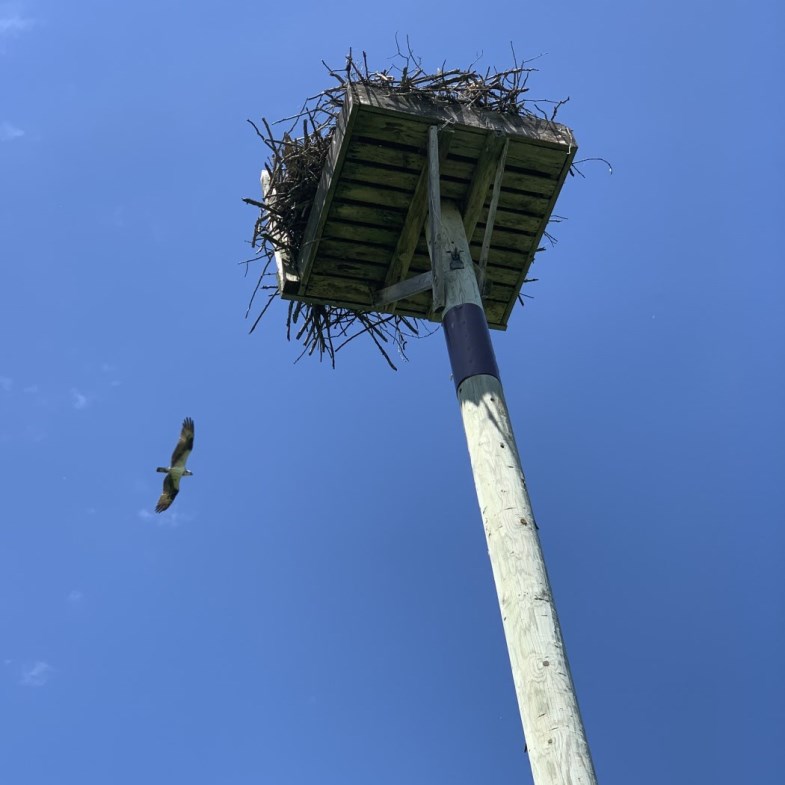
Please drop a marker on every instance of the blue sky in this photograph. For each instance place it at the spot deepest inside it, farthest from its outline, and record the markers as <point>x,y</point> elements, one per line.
<point>318,604</point>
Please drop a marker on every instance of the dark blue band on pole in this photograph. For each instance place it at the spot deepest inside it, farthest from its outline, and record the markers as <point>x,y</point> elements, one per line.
<point>469,343</point>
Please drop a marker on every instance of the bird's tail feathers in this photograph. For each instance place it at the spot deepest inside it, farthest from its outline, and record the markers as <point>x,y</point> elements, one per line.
<point>162,469</point>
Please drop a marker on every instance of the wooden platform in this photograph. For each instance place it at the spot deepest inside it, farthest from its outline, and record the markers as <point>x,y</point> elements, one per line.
<point>365,230</point>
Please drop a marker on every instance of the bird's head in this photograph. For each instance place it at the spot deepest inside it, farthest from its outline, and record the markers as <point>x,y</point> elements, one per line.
<point>188,473</point>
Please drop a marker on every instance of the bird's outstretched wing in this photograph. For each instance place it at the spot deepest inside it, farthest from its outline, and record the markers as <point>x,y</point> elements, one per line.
<point>185,443</point>
<point>171,489</point>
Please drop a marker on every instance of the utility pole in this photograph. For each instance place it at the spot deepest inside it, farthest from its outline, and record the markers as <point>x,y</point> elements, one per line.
<point>556,740</point>
<point>398,167</point>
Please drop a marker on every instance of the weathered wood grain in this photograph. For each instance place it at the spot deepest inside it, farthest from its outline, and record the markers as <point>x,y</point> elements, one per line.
<point>359,252</point>
<point>361,233</point>
<point>403,290</point>
<point>365,228</point>
<point>484,172</point>
<point>360,270</point>
<point>543,131</point>
<point>391,139</point>
<point>326,190</point>
<point>378,175</point>
<point>373,215</point>
<point>436,246</point>
<point>362,150</point>
<point>557,745</point>
<point>482,262</point>
<point>411,231</point>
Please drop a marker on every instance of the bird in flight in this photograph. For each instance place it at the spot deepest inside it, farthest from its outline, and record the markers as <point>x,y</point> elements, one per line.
<point>177,468</point>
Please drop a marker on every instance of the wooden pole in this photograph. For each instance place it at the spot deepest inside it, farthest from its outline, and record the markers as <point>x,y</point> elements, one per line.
<point>556,740</point>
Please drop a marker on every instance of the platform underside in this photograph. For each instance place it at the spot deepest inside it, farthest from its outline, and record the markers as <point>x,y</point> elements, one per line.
<point>365,230</point>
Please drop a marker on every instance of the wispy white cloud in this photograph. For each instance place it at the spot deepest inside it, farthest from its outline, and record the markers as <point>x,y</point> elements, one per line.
<point>37,674</point>
<point>75,596</point>
<point>13,20</point>
<point>79,400</point>
<point>6,383</point>
<point>170,518</point>
<point>9,132</point>
<point>108,368</point>
<point>12,23</point>
<point>175,518</point>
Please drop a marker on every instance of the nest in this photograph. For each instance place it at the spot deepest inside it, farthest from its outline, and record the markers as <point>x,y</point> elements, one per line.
<point>294,167</point>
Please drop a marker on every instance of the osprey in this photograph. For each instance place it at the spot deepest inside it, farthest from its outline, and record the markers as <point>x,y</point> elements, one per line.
<point>177,469</point>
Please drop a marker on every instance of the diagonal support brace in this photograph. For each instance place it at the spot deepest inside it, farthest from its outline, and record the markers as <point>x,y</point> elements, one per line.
<point>434,225</point>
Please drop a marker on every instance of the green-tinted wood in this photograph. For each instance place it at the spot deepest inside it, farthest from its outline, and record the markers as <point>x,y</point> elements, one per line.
<point>326,190</point>
<point>484,172</point>
<point>411,230</point>
<point>365,229</point>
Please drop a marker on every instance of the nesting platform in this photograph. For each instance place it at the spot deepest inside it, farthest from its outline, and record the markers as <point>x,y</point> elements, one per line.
<point>364,246</point>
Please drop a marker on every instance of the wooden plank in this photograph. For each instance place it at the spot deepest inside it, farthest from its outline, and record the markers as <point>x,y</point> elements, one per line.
<point>361,233</point>
<point>521,202</point>
<point>484,172</point>
<point>362,150</point>
<point>331,289</point>
<point>411,231</point>
<point>409,107</point>
<point>456,174</point>
<point>501,277</point>
<point>288,281</point>
<point>403,290</point>
<point>326,190</point>
<point>357,186</point>
<point>355,296</point>
<point>378,187</point>
<point>527,183</point>
<point>538,237</point>
<point>380,176</point>
<point>361,270</point>
<point>504,239</point>
<point>482,262</point>
<point>526,154</point>
<point>494,313</point>
<point>374,185</point>
<point>417,306</point>
<point>390,136</point>
<point>435,245</point>
<point>344,249</point>
<point>373,215</point>
<point>413,308</point>
<point>514,220</point>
